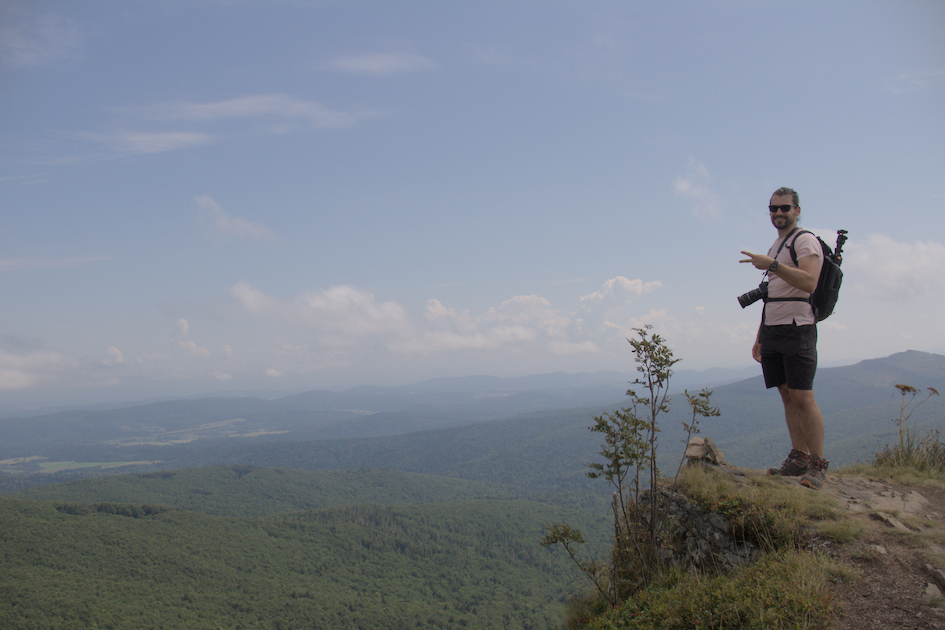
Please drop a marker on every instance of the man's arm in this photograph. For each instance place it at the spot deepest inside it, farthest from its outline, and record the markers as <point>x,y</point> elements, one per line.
<point>756,348</point>
<point>803,277</point>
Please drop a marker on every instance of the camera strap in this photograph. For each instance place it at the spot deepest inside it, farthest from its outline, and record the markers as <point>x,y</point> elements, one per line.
<point>765,277</point>
<point>777,253</point>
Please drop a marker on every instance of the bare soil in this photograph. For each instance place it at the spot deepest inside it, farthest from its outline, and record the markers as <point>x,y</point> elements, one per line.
<point>890,592</point>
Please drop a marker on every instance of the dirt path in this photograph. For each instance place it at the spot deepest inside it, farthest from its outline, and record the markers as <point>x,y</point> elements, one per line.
<point>897,556</point>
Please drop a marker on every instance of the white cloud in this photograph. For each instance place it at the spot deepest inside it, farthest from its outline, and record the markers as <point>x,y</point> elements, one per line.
<point>143,142</point>
<point>657,318</point>
<point>915,81</point>
<point>348,310</point>
<point>20,371</point>
<point>346,320</point>
<point>281,106</point>
<point>274,373</point>
<point>381,63</point>
<point>882,268</point>
<point>182,329</point>
<point>38,42</point>
<point>234,226</point>
<point>340,314</point>
<point>194,349</point>
<point>252,298</point>
<point>706,203</point>
<point>157,142</point>
<point>113,356</point>
<point>620,290</point>
<point>278,113</point>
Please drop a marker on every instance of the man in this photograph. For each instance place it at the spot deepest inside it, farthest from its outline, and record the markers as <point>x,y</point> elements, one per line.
<point>786,344</point>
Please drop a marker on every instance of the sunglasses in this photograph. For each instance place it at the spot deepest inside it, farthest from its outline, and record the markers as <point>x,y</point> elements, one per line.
<point>784,208</point>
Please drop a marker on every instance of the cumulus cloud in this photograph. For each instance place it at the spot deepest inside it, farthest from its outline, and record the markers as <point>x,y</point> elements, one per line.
<point>349,310</point>
<point>620,290</point>
<point>695,187</point>
<point>191,346</point>
<point>340,316</point>
<point>345,319</point>
<point>238,227</point>
<point>252,298</point>
<point>381,63</point>
<point>882,268</point>
<point>113,356</point>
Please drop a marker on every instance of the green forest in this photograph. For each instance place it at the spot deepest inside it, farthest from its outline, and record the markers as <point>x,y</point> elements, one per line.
<point>431,529</point>
<point>244,556</point>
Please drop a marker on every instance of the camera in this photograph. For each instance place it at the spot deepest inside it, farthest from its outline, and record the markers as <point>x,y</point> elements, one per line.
<point>761,293</point>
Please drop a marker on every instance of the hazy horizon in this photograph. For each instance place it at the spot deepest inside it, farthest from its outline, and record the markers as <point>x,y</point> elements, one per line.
<point>29,405</point>
<point>206,197</point>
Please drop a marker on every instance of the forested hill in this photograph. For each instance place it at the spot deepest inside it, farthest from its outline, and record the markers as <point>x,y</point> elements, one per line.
<point>319,414</point>
<point>430,529</point>
<point>252,491</point>
<point>544,449</point>
<point>458,564</point>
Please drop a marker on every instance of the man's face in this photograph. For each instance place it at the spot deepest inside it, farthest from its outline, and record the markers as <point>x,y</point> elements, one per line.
<point>784,220</point>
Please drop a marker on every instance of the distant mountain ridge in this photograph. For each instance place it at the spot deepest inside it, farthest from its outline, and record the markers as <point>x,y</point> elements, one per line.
<point>367,411</point>
<point>477,427</point>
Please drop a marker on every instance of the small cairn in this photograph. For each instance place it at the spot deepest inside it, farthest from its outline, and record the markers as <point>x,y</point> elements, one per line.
<point>702,451</point>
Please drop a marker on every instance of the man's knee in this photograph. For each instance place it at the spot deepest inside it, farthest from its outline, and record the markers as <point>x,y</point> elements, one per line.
<point>802,399</point>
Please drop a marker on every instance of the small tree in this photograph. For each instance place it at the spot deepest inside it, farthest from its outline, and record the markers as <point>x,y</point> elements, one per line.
<point>907,407</point>
<point>699,406</point>
<point>629,451</point>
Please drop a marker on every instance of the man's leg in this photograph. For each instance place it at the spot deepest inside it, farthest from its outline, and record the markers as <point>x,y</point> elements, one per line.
<point>804,421</point>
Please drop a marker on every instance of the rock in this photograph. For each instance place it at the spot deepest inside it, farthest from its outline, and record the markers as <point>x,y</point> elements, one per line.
<point>933,594</point>
<point>937,574</point>
<point>704,451</point>
<point>700,539</point>
<point>890,520</point>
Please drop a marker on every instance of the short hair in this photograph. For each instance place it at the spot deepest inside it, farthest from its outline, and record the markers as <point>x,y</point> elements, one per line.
<point>781,192</point>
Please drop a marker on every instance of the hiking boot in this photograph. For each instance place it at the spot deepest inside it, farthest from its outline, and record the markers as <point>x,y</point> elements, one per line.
<point>796,464</point>
<point>816,475</point>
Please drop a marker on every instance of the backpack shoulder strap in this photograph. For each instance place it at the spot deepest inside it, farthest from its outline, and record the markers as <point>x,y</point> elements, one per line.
<point>791,249</point>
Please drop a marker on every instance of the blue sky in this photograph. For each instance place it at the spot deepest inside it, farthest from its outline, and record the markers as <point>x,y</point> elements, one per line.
<point>235,195</point>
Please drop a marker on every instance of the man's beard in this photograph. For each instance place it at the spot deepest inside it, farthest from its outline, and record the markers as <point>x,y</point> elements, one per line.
<point>787,221</point>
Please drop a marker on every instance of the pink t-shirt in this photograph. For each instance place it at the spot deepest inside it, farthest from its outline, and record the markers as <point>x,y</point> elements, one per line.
<point>786,313</point>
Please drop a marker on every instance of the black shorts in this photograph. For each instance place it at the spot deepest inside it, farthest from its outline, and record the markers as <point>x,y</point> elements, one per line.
<point>789,355</point>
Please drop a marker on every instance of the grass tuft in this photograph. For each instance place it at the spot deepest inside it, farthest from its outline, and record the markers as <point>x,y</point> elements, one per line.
<point>784,589</point>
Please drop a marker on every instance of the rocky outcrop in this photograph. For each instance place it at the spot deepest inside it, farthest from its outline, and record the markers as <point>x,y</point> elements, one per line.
<point>701,539</point>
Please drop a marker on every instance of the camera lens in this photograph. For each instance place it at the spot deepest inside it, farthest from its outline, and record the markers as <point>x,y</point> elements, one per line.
<point>754,295</point>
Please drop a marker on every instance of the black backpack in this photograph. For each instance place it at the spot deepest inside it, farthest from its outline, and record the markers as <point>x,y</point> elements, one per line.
<point>825,296</point>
